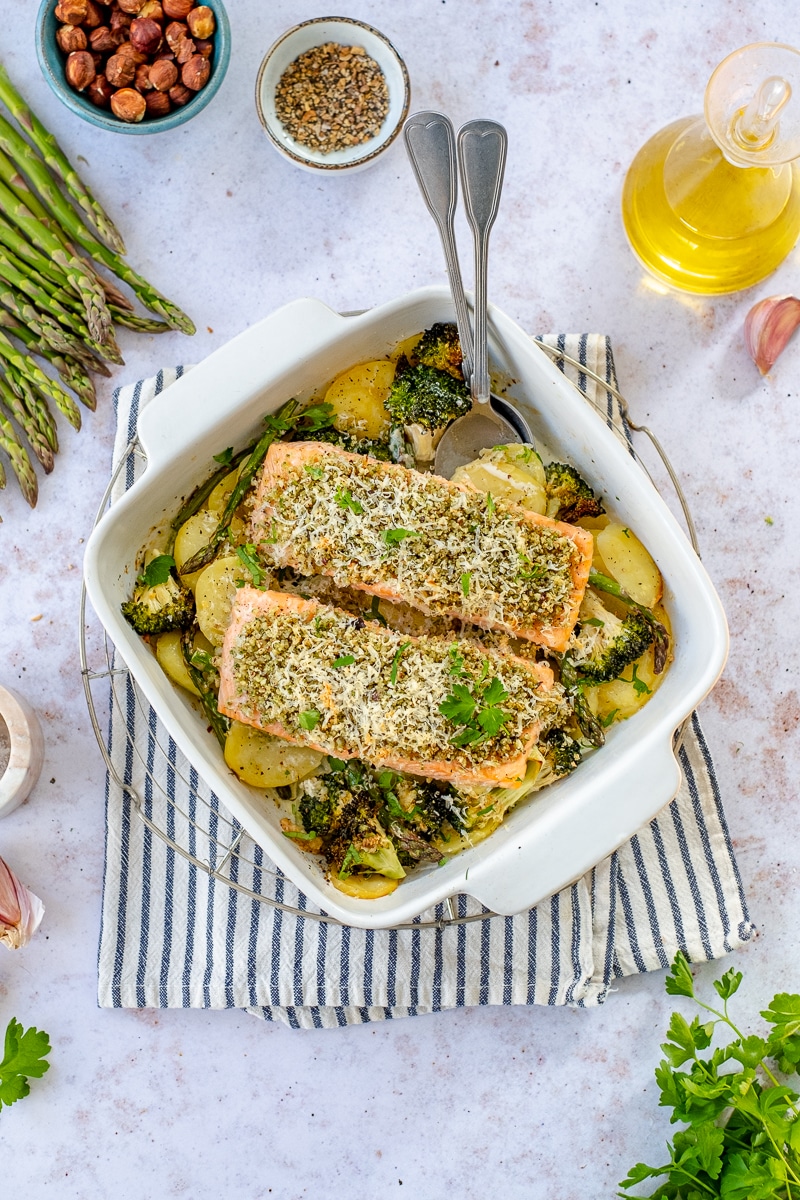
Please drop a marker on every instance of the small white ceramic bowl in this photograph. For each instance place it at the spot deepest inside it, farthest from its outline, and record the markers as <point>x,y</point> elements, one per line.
<point>346,32</point>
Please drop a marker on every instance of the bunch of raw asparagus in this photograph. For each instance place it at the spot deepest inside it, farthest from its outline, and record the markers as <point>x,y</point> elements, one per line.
<point>54,303</point>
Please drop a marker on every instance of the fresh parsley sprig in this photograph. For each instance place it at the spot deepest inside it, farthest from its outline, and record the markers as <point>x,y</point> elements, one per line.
<point>475,706</point>
<point>742,1140</point>
<point>24,1057</point>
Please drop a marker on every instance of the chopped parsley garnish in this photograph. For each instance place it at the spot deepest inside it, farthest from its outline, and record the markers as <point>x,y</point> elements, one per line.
<point>202,660</point>
<point>609,718</point>
<point>530,569</point>
<point>308,719</point>
<point>225,457</point>
<point>344,660</point>
<point>158,571</point>
<point>398,654</point>
<point>490,505</point>
<point>393,537</point>
<point>465,578</point>
<point>247,557</point>
<point>593,621</point>
<point>484,811</point>
<point>345,500</point>
<point>314,472</point>
<point>477,710</point>
<point>639,685</point>
<point>374,612</point>
<point>456,660</point>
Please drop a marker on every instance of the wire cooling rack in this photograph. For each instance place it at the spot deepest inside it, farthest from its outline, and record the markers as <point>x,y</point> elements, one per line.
<point>212,840</point>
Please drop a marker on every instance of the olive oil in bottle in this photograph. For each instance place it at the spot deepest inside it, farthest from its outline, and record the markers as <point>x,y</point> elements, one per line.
<point>711,203</point>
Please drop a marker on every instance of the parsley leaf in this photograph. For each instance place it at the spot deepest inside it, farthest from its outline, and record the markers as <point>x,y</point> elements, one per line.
<point>639,685</point>
<point>345,500</point>
<point>224,457</point>
<point>459,706</point>
<point>318,416</point>
<point>247,557</point>
<point>157,571</point>
<point>314,472</point>
<point>490,505</point>
<point>477,709</point>
<point>393,537</point>
<point>398,654</point>
<point>24,1055</point>
<point>465,581</point>
<point>308,719</point>
<point>344,660</point>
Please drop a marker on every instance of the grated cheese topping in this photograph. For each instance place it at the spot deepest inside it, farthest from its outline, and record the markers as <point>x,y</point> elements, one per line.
<point>436,546</point>
<point>351,687</point>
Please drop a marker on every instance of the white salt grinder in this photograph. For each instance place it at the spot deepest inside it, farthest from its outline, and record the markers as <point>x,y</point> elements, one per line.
<point>21,750</point>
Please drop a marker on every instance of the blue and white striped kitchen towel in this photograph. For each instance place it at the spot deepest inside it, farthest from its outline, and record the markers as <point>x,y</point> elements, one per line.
<point>175,934</point>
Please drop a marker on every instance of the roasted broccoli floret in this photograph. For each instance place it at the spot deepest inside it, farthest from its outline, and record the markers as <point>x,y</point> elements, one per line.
<point>439,347</point>
<point>159,602</point>
<point>569,496</point>
<point>605,643</point>
<point>341,810</point>
<point>426,396</point>
<point>561,752</point>
<point>354,445</point>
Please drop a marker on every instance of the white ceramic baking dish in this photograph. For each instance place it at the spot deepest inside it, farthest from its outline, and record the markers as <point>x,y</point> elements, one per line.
<point>556,835</point>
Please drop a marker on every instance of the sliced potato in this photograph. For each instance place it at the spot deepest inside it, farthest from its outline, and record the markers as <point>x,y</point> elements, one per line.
<point>364,887</point>
<point>264,761</point>
<point>169,652</point>
<point>214,594</point>
<point>358,397</point>
<point>191,537</point>
<point>219,497</point>
<point>630,564</point>
<point>513,474</point>
<point>594,524</point>
<point>405,347</point>
<point>621,698</point>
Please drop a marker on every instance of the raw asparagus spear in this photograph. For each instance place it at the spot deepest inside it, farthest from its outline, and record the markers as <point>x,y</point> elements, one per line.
<point>20,462</point>
<point>29,370</point>
<point>98,317</point>
<point>54,157</point>
<point>36,407</point>
<point>33,432</point>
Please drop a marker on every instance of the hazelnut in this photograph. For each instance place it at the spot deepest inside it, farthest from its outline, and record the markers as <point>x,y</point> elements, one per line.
<point>185,50</point>
<point>201,21</point>
<point>130,6</point>
<point>80,69</point>
<point>195,72</point>
<point>128,50</point>
<point>100,91</point>
<point>145,35</point>
<point>97,59</point>
<point>204,47</point>
<point>141,80</point>
<point>177,9</point>
<point>120,70</point>
<point>180,95</point>
<point>163,74</point>
<point>70,37</point>
<point>175,33</point>
<point>72,12</point>
<point>128,105</point>
<point>152,8</point>
<point>103,41</point>
<point>120,22</point>
<point>157,104</point>
<point>94,15</point>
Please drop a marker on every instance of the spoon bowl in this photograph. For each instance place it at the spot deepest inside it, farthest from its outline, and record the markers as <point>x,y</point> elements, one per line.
<point>431,145</point>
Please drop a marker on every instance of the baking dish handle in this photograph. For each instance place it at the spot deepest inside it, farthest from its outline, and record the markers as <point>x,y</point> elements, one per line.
<point>531,873</point>
<point>196,404</point>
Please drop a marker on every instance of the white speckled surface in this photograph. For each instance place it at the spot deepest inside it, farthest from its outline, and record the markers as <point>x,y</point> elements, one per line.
<point>522,1103</point>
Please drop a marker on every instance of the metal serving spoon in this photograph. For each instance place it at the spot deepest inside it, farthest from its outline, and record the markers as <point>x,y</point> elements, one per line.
<point>431,147</point>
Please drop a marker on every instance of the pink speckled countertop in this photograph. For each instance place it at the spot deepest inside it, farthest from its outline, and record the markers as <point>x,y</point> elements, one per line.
<point>534,1103</point>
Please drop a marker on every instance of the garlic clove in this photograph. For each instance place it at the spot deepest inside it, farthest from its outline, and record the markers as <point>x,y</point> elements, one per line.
<point>768,327</point>
<point>20,911</point>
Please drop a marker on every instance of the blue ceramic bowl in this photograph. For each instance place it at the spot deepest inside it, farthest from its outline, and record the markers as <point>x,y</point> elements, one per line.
<point>52,61</point>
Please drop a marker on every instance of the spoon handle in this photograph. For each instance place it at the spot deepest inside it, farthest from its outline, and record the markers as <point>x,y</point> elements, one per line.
<point>431,145</point>
<point>482,147</point>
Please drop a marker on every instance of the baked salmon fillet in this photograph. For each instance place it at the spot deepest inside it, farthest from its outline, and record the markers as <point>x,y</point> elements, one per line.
<point>430,706</point>
<point>442,547</point>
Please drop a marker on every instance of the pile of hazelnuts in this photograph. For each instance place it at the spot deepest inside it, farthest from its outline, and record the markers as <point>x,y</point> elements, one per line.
<point>140,58</point>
